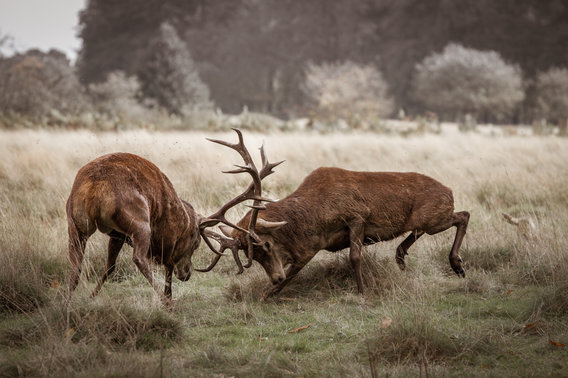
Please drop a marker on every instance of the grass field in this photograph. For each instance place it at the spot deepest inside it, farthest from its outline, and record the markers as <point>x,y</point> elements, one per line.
<point>508,317</point>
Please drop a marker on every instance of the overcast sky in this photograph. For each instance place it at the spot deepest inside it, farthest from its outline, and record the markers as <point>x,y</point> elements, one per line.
<point>42,24</point>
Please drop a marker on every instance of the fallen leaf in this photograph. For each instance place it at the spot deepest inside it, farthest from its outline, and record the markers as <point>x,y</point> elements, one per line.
<point>530,325</point>
<point>300,328</point>
<point>386,323</point>
<point>484,367</point>
<point>509,292</point>
<point>55,284</point>
<point>556,343</point>
<point>69,333</point>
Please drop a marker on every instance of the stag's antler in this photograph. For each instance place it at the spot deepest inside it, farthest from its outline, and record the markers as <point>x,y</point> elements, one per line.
<point>224,243</point>
<point>253,192</point>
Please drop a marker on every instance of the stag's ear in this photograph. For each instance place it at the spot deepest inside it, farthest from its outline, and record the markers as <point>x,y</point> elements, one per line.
<point>265,226</point>
<point>226,230</point>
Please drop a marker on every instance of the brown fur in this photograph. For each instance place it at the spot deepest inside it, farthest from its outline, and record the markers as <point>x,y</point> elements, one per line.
<point>335,208</point>
<point>130,199</point>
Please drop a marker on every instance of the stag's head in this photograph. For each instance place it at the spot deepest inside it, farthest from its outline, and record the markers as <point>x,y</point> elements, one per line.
<point>259,245</point>
<point>182,269</point>
<point>245,235</point>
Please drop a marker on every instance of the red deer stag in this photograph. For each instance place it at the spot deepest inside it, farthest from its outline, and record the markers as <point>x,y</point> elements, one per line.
<point>131,200</point>
<point>335,208</point>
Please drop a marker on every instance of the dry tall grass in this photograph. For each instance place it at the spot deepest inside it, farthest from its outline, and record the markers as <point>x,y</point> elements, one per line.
<point>521,176</point>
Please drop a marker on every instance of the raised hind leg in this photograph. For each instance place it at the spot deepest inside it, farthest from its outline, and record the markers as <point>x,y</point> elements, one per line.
<point>114,246</point>
<point>461,220</point>
<point>402,249</point>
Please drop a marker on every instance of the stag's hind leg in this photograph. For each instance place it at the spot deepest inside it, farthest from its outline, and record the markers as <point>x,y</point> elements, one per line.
<point>76,251</point>
<point>460,221</point>
<point>77,241</point>
<point>115,244</point>
<point>402,249</point>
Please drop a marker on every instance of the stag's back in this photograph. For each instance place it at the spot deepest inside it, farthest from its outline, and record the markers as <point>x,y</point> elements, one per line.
<point>388,203</point>
<point>118,181</point>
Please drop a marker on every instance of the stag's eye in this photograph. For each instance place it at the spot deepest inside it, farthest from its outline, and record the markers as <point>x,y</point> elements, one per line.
<point>267,246</point>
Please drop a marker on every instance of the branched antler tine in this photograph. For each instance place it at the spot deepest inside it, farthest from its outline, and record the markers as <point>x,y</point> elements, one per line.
<point>257,207</point>
<point>235,171</point>
<point>231,224</point>
<point>211,266</point>
<point>246,169</point>
<point>267,167</point>
<point>260,198</point>
<point>239,147</point>
<point>224,243</point>
<point>204,235</point>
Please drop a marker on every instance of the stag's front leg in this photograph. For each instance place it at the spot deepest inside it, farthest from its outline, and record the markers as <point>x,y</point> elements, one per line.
<point>168,283</point>
<point>141,239</point>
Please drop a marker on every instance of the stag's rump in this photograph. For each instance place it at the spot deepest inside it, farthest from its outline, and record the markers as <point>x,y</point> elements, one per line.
<point>114,188</point>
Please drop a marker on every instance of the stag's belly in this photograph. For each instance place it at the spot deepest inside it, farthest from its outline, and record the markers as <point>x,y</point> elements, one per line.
<point>340,239</point>
<point>375,234</point>
<point>335,241</point>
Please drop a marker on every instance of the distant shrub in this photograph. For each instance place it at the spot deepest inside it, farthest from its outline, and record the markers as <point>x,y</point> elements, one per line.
<point>118,96</point>
<point>37,83</point>
<point>460,81</point>
<point>346,90</point>
<point>170,77</point>
<point>552,95</point>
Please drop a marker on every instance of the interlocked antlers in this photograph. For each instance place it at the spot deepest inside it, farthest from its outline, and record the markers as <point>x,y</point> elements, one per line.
<point>253,192</point>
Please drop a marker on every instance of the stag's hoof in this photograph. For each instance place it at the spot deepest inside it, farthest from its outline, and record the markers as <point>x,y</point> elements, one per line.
<point>457,267</point>
<point>168,303</point>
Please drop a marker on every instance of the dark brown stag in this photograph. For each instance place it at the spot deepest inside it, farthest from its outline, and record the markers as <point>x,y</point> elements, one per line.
<point>335,208</point>
<point>131,200</point>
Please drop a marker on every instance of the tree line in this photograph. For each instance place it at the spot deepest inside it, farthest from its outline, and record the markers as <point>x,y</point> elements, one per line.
<point>496,61</point>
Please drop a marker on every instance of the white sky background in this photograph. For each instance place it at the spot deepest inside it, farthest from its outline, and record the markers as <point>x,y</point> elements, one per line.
<point>43,24</point>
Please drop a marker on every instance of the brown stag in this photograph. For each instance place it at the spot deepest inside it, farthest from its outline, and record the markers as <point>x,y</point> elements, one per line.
<point>335,208</point>
<point>131,200</point>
